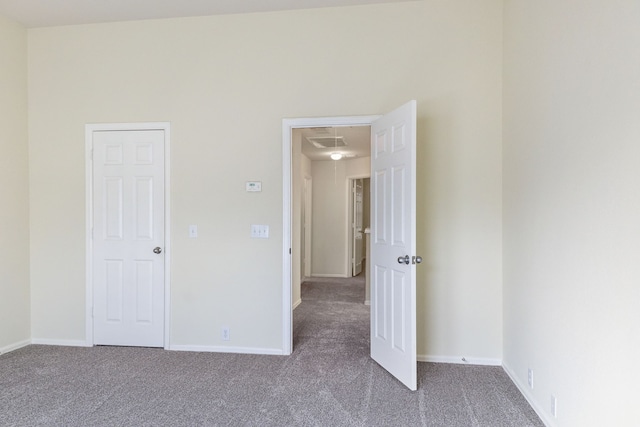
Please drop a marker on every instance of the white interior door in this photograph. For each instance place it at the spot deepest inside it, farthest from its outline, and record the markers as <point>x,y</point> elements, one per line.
<point>128,238</point>
<point>393,244</point>
<point>357,236</point>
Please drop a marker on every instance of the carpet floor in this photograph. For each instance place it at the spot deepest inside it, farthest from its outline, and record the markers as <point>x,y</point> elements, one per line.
<point>329,380</point>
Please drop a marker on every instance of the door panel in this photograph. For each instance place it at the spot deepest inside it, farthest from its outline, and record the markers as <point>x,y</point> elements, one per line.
<point>399,290</point>
<point>115,285</point>
<point>128,222</point>
<point>380,291</point>
<point>113,208</point>
<point>144,291</point>
<point>393,295</point>
<point>379,211</point>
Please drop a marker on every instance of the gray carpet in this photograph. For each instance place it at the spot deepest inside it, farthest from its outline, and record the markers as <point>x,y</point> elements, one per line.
<point>329,380</point>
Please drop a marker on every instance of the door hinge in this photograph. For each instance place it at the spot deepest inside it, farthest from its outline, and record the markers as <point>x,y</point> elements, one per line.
<point>289,251</point>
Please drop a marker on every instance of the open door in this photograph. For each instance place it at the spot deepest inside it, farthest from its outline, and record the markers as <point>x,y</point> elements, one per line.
<point>393,243</point>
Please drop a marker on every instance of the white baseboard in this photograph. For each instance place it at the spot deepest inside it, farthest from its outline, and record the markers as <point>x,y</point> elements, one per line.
<point>297,303</point>
<point>341,276</point>
<point>526,392</point>
<point>64,343</point>
<point>460,360</point>
<point>221,349</point>
<point>14,346</point>
<point>367,302</point>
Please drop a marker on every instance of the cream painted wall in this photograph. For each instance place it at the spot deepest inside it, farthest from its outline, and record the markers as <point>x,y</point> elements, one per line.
<point>330,198</point>
<point>14,188</point>
<point>225,83</point>
<point>572,207</point>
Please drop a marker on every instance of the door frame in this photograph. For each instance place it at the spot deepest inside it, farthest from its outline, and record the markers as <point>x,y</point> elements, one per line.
<point>287,169</point>
<point>307,224</point>
<point>350,213</point>
<point>89,131</point>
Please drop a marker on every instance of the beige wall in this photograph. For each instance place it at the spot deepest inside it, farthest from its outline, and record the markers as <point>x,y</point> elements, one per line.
<point>571,97</point>
<point>225,83</point>
<point>572,207</point>
<point>14,188</point>
<point>330,198</point>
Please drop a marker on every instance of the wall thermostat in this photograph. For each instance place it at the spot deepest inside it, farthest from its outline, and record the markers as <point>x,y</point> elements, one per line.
<point>253,186</point>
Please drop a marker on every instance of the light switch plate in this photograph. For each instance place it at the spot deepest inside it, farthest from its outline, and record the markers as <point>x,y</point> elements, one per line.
<point>254,186</point>
<point>193,231</point>
<point>259,231</point>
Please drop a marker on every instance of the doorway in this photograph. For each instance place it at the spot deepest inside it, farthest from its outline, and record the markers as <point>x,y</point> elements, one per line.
<point>329,168</point>
<point>290,294</point>
<point>393,210</point>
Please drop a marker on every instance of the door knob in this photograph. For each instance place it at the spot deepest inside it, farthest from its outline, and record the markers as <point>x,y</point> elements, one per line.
<point>404,259</point>
<point>157,250</point>
<point>417,259</point>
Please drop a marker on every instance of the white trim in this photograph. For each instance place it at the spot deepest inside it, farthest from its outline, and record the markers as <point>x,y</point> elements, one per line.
<point>526,392</point>
<point>167,234</point>
<point>62,343</point>
<point>221,349</point>
<point>460,360</point>
<point>14,346</point>
<point>297,303</point>
<point>287,126</point>
<point>308,225</point>
<point>367,302</point>
<point>88,180</point>
<point>349,180</point>
<point>287,287</point>
<point>341,276</point>
<point>97,127</point>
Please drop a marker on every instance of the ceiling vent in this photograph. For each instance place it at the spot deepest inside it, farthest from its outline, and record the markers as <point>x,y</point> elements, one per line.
<point>322,131</point>
<point>327,141</point>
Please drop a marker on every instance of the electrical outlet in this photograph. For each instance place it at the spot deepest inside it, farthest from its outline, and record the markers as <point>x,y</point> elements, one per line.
<point>530,377</point>
<point>554,406</point>
<point>226,334</point>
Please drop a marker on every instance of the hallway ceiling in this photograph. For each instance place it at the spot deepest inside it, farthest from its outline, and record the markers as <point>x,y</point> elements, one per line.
<point>49,13</point>
<point>356,140</point>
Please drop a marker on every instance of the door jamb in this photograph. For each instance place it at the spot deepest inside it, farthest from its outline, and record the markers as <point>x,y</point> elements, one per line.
<point>287,126</point>
<point>89,130</point>
<point>308,223</point>
<point>349,215</point>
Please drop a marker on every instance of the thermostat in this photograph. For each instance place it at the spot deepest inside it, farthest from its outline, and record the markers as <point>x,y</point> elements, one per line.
<point>254,186</point>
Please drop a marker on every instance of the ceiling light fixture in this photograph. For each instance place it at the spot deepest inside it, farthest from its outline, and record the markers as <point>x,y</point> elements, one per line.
<point>336,156</point>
